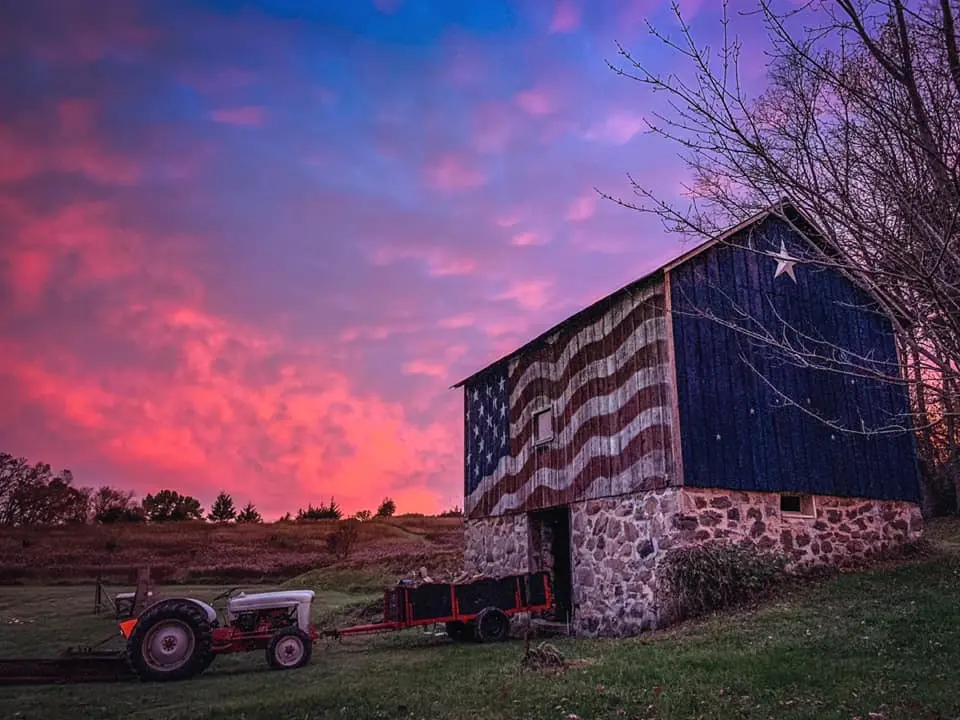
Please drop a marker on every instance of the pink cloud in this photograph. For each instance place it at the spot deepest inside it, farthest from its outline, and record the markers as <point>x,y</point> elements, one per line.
<point>528,238</point>
<point>528,294</point>
<point>583,207</point>
<point>202,419</point>
<point>425,367</point>
<point>617,128</point>
<point>456,322</point>
<point>76,149</point>
<point>248,116</point>
<point>566,17</point>
<point>450,173</point>
<point>507,221</point>
<point>445,266</point>
<point>536,101</point>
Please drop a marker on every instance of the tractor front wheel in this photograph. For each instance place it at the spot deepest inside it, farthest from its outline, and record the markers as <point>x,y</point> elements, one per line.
<point>289,648</point>
<point>172,640</point>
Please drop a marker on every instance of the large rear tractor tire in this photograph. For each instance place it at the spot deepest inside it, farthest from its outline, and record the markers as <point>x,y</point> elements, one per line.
<point>289,648</point>
<point>492,625</point>
<point>172,640</point>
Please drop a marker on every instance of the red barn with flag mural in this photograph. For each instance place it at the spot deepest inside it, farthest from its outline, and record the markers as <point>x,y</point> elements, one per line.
<point>667,413</point>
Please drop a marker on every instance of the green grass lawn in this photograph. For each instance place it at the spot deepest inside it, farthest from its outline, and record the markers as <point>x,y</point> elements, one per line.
<point>885,642</point>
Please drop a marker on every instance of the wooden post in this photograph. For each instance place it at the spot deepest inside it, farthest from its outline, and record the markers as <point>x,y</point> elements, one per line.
<point>143,592</point>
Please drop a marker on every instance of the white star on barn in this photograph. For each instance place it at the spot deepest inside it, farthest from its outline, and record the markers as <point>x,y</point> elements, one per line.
<point>785,263</point>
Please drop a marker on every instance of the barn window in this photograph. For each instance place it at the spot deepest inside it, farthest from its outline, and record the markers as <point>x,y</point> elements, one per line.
<point>543,426</point>
<point>798,505</point>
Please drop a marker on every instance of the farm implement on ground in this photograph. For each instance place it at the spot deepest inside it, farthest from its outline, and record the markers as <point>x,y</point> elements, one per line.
<point>178,638</point>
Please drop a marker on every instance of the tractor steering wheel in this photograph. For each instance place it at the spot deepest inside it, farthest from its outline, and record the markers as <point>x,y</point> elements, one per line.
<point>225,594</point>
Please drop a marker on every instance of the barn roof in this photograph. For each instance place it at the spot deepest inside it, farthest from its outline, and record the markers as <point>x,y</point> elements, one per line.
<point>781,208</point>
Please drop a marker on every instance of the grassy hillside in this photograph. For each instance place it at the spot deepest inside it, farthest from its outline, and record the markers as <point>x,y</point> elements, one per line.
<point>204,552</point>
<point>882,644</point>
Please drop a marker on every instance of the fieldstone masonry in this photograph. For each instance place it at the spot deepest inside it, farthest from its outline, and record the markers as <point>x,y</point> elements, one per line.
<point>497,546</point>
<point>843,528</point>
<point>617,543</point>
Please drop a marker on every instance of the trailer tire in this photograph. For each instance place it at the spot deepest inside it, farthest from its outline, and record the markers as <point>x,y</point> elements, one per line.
<point>172,640</point>
<point>289,648</point>
<point>492,625</point>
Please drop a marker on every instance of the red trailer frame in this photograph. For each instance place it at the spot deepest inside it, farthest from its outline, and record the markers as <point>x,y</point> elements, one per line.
<point>404,610</point>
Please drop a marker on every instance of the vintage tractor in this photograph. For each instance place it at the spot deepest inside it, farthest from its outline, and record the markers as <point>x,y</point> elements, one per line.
<point>178,638</point>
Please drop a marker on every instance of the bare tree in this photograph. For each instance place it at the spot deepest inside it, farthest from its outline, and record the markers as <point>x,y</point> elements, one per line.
<point>859,126</point>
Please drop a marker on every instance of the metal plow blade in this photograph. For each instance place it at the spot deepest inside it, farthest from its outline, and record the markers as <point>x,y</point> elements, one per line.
<point>103,666</point>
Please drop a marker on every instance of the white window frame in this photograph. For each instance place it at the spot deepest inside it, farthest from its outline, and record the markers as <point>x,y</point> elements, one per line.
<point>537,440</point>
<point>808,506</point>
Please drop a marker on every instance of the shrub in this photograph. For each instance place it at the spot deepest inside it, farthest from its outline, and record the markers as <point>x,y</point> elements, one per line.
<point>341,542</point>
<point>387,508</point>
<point>703,578</point>
<point>280,542</point>
<point>321,512</point>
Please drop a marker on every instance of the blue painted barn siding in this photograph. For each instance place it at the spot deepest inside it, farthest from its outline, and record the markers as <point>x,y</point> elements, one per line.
<point>778,447</point>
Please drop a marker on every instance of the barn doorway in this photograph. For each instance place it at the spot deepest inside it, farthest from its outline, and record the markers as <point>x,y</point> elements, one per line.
<point>550,552</point>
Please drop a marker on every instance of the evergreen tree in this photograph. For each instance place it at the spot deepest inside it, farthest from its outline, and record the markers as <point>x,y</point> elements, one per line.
<point>249,514</point>
<point>223,509</point>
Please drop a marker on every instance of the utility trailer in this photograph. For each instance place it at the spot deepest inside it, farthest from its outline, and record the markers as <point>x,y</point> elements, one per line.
<point>178,638</point>
<point>478,610</point>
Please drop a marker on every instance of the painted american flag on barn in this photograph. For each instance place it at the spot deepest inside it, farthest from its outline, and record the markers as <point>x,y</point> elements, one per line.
<point>584,414</point>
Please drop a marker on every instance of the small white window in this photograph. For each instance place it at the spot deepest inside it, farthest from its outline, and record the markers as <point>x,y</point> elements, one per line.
<point>543,426</point>
<point>797,505</point>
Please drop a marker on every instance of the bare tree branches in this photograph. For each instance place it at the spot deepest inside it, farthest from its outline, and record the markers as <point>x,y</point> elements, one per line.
<point>859,126</point>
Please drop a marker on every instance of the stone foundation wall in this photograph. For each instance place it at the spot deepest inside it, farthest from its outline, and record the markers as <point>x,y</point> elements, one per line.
<point>843,528</point>
<point>497,546</point>
<point>616,543</point>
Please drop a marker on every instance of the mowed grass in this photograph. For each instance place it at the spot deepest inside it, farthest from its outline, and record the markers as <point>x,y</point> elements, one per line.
<point>884,642</point>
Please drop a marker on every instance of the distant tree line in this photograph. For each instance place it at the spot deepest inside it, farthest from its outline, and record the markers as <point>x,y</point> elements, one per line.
<point>35,495</point>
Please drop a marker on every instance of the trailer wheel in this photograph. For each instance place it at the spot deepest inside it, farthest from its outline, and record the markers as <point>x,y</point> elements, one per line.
<point>172,640</point>
<point>458,631</point>
<point>289,648</point>
<point>492,625</point>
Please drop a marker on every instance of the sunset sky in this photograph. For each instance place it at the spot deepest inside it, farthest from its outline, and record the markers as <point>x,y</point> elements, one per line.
<point>250,245</point>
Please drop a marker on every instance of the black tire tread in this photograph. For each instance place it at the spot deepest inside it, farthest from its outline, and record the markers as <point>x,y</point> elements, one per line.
<point>194,616</point>
<point>480,630</point>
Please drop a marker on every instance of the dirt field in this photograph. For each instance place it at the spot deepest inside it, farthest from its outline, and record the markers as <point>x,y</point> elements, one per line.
<point>199,552</point>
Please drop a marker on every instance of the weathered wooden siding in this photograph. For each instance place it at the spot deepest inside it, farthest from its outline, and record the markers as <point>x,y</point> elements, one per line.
<point>607,379</point>
<point>736,431</point>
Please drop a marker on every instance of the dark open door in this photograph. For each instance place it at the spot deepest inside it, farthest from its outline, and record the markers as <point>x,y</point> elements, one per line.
<point>550,550</point>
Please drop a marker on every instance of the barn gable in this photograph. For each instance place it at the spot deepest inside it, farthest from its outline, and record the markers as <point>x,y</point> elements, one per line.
<point>740,428</point>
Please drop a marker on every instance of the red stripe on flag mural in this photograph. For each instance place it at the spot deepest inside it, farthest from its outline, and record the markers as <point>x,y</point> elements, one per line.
<point>612,424</point>
<point>649,356</point>
<point>646,442</point>
<point>551,353</point>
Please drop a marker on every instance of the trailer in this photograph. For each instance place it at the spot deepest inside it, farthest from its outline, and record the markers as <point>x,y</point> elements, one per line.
<point>478,610</point>
<point>178,638</point>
